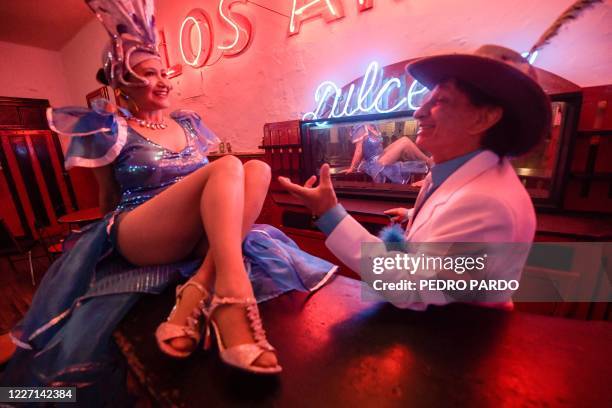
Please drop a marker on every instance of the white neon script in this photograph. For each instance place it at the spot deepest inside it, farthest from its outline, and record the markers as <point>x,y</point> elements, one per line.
<point>531,57</point>
<point>373,89</point>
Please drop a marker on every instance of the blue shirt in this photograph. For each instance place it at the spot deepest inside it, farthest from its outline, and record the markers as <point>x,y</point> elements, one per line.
<point>439,173</point>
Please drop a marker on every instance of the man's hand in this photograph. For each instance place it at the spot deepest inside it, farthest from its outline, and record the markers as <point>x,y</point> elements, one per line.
<point>399,215</point>
<point>318,199</point>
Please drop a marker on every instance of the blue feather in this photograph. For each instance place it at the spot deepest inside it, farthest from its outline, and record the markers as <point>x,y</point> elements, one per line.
<point>392,234</point>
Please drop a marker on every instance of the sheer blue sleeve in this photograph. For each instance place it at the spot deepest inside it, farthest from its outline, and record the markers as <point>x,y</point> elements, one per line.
<point>97,135</point>
<point>206,138</point>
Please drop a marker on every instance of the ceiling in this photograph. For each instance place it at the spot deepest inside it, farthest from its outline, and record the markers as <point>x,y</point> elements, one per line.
<point>45,24</point>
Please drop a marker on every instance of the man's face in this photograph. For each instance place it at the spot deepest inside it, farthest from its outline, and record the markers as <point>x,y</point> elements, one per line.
<point>447,123</point>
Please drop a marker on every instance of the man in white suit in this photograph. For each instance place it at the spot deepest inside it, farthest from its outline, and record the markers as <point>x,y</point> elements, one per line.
<point>483,108</point>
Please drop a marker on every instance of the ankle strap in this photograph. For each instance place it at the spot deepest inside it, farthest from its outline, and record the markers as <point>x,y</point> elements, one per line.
<point>218,300</point>
<point>252,312</point>
<point>191,282</point>
<point>259,334</point>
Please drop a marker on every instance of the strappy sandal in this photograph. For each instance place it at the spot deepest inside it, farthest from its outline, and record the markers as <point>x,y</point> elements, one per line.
<point>167,331</point>
<point>241,356</point>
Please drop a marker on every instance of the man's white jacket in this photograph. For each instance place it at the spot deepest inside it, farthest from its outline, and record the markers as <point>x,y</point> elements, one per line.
<point>482,201</point>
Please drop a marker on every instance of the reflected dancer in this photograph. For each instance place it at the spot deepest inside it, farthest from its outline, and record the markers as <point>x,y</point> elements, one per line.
<point>394,164</point>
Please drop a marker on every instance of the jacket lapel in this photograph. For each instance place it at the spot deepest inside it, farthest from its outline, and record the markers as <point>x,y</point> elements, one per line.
<point>419,200</point>
<point>463,175</point>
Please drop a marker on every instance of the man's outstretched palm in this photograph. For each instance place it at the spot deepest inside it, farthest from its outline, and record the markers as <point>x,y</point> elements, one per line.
<point>318,199</point>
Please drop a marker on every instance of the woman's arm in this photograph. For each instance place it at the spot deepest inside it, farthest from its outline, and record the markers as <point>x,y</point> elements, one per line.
<point>108,189</point>
<point>357,156</point>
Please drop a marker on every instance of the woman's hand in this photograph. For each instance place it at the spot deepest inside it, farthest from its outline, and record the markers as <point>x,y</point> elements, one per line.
<point>399,215</point>
<point>418,184</point>
<point>347,171</point>
<point>318,199</point>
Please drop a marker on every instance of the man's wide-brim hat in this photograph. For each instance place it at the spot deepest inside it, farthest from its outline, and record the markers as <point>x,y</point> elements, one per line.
<point>502,74</point>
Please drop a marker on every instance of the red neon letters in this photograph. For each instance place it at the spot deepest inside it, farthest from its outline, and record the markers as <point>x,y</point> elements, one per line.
<point>196,35</point>
<point>364,4</point>
<point>303,10</point>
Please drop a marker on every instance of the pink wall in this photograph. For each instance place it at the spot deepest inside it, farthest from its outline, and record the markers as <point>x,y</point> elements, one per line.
<point>276,77</point>
<point>29,72</point>
<point>82,57</point>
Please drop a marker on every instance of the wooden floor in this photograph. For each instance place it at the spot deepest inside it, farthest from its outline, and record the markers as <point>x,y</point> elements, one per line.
<point>16,289</point>
<point>16,292</point>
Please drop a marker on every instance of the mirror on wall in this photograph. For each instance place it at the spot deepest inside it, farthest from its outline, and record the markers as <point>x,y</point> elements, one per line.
<point>376,155</point>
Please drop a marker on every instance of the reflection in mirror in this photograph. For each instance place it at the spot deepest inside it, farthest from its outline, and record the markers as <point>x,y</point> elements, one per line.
<point>376,156</point>
<point>536,168</point>
<point>375,152</point>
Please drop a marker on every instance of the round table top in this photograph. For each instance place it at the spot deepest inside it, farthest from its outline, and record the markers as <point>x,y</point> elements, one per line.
<point>85,215</point>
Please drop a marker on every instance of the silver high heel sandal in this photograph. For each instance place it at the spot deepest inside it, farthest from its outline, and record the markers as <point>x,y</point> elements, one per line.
<point>167,331</point>
<point>241,356</point>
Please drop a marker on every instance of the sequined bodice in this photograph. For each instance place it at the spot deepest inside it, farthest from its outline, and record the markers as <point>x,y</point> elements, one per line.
<point>372,146</point>
<point>144,169</point>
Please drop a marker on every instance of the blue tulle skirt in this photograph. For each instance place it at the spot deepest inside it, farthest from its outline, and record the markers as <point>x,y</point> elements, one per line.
<point>398,172</point>
<point>65,339</point>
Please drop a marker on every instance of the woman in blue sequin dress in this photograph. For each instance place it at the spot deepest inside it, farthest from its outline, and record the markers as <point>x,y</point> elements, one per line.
<point>168,209</point>
<point>393,164</point>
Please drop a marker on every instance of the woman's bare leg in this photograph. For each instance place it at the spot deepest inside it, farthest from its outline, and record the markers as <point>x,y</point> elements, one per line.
<point>402,149</point>
<point>231,319</point>
<point>256,182</point>
<point>166,229</point>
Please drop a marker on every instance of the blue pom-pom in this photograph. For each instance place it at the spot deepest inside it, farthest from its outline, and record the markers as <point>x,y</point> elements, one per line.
<point>392,234</point>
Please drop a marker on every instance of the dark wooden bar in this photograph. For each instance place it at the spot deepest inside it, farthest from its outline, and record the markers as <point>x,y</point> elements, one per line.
<point>339,351</point>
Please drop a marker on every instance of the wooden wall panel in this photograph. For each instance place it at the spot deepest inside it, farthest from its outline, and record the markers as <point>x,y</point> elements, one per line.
<point>588,196</point>
<point>589,187</point>
<point>22,194</point>
<point>9,116</point>
<point>283,150</point>
<point>8,210</point>
<point>40,180</point>
<point>85,187</point>
<point>23,113</point>
<point>593,100</point>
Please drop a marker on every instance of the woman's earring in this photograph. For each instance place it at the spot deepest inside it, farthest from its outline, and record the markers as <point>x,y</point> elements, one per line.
<point>131,105</point>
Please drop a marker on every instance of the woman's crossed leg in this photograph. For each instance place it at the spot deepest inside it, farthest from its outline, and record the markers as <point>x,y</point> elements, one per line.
<point>219,201</point>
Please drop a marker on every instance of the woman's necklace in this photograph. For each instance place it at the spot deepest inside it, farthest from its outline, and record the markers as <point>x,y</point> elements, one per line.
<point>149,124</point>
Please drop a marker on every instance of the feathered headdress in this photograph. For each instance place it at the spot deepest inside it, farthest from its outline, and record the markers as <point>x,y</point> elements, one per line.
<point>571,13</point>
<point>131,26</point>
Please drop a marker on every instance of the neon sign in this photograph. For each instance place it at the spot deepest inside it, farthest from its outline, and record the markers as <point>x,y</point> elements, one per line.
<point>365,4</point>
<point>196,35</point>
<point>195,56</point>
<point>242,32</point>
<point>375,94</point>
<point>330,10</point>
<point>532,58</point>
